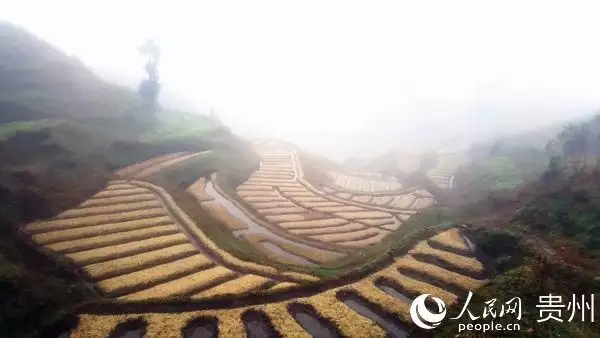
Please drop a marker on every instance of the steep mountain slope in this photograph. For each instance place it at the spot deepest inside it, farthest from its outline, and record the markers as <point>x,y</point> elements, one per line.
<point>63,133</point>
<point>38,81</point>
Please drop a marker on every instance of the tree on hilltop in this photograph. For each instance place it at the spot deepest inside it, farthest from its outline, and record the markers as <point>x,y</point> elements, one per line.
<point>150,87</point>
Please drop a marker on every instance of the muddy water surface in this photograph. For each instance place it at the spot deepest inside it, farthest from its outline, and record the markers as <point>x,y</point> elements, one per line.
<point>254,227</point>
<point>392,325</point>
<point>393,291</point>
<point>258,325</point>
<point>314,324</point>
<point>202,328</point>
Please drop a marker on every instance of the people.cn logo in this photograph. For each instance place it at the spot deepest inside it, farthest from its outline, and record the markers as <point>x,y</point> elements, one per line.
<point>424,318</point>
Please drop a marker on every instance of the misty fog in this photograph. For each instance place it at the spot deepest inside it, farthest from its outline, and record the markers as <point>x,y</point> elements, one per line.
<point>341,78</point>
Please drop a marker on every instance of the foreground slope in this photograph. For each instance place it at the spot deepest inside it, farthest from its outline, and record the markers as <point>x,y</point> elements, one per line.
<point>374,306</point>
<point>63,132</point>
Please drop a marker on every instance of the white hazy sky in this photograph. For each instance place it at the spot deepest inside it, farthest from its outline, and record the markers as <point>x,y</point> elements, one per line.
<point>347,77</point>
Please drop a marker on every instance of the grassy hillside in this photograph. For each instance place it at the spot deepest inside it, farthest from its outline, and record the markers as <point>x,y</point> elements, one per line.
<point>540,236</point>
<point>38,81</point>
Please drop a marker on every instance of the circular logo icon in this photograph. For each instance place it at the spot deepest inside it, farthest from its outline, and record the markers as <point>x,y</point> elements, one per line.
<point>424,318</point>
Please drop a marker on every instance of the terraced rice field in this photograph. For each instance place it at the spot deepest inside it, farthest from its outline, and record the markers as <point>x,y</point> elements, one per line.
<point>376,305</point>
<point>283,199</point>
<point>362,184</point>
<point>443,174</point>
<point>244,225</point>
<point>412,201</point>
<point>134,243</point>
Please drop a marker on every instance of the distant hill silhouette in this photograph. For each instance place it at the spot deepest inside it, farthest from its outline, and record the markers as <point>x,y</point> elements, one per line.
<point>39,81</point>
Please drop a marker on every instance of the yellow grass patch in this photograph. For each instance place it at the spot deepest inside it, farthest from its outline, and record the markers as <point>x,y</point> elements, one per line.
<point>439,273</point>
<point>245,193</point>
<point>239,286</point>
<point>363,214</point>
<point>251,187</point>
<point>302,199</point>
<point>451,238</point>
<point>94,202</point>
<point>120,250</point>
<point>283,286</point>
<point>345,208</point>
<point>265,172</point>
<point>370,292</point>
<point>367,241</point>
<point>465,263</point>
<point>283,321</point>
<point>349,322</point>
<point>106,240</point>
<point>183,285</point>
<point>415,286</point>
<point>348,236</point>
<point>292,189</point>
<point>270,166</point>
<point>220,213</point>
<point>149,276</point>
<point>281,211</point>
<point>122,265</point>
<point>95,326</point>
<point>269,205</point>
<point>272,181</point>
<point>320,204</point>
<point>66,223</point>
<point>377,221</point>
<point>285,218</point>
<point>313,223</point>
<point>230,323</point>
<point>105,229</point>
<point>302,193</point>
<point>252,199</point>
<point>285,176</point>
<point>105,209</point>
<point>122,192</point>
<point>329,230</point>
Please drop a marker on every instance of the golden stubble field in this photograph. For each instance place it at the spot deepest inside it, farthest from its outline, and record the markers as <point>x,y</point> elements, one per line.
<point>141,249</point>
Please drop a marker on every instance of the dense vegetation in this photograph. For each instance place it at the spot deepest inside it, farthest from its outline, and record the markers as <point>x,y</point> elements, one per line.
<point>540,236</point>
